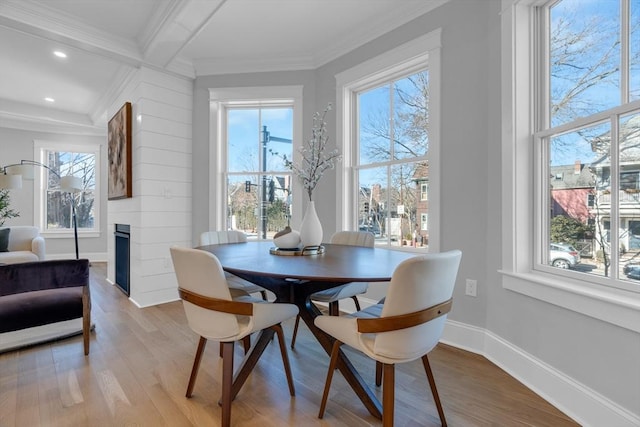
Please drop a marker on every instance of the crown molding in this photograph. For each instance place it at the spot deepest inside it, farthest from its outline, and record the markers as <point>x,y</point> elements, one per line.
<point>13,120</point>
<point>216,66</point>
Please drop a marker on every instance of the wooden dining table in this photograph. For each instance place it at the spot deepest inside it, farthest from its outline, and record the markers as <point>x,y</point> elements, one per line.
<point>294,278</point>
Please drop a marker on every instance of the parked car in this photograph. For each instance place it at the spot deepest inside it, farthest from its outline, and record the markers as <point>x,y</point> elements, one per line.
<point>632,270</point>
<point>562,255</point>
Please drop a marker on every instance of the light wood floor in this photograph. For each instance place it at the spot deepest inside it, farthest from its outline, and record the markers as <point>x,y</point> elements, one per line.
<point>137,373</point>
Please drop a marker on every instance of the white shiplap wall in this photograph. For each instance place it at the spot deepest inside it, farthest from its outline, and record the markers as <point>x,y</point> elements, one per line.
<point>160,211</point>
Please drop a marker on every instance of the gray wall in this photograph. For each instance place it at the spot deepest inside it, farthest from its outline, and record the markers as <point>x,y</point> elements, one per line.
<point>16,145</point>
<point>599,355</point>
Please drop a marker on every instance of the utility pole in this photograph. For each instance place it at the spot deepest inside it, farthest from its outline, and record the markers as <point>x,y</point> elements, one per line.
<point>266,138</point>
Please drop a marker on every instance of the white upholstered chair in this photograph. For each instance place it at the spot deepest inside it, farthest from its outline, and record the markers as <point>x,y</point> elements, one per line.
<point>25,245</point>
<point>405,328</point>
<point>232,236</point>
<point>213,314</point>
<point>349,290</point>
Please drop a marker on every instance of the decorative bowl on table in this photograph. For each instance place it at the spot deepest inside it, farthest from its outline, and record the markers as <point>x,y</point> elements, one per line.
<point>287,239</point>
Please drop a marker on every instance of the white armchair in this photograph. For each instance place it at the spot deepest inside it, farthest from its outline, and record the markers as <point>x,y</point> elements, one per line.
<point>25,245</point>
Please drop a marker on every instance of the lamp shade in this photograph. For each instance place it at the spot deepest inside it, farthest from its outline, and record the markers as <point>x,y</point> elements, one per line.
<point>10,181</point>
<point>25,170</point>
<point>70,184</point>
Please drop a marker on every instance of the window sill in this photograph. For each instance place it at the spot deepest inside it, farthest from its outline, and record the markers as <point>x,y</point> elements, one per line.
<point>69,234</point>
<point>614,306</point>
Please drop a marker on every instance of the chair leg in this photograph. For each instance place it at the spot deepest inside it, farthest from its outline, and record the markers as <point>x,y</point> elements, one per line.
<point>388,394</point>
<point>86,319</point>
<point>285,358</point>
<point>246,343</point>
<point>378,373</point>
<point>434,390</point>
<point>334,308</point>
<point>227,382</point>
<point>196,365</point>
<point>327,385</point>
<point>295,331</point>
<point>220,350</point>
<point>355,299</point>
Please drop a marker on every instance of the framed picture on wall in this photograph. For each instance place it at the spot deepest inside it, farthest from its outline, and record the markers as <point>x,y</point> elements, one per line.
<point>119,158</point>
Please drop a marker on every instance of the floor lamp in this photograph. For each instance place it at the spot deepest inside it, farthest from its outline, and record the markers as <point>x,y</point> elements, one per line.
<point>68,184</point>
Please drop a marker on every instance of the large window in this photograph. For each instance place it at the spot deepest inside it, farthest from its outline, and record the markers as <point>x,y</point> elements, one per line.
<point>250,189</point>
<point>53,207</point>
<point>393,141</point>
<point>589,138</point>
<point>389,136</point>
<point>259,186</point>
<point>526,175</point>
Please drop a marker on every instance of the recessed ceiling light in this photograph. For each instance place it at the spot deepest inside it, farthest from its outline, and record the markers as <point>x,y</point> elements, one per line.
<point>49,99</point>
<point>60,54</point>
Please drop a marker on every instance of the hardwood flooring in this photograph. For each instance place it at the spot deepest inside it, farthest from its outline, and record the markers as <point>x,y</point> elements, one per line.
<point>140,360</point>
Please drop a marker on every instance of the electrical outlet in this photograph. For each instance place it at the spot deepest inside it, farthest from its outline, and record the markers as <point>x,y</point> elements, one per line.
<point>472,288</point>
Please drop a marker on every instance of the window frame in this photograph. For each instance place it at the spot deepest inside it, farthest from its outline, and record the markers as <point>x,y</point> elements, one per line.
<point>519,35</point>
<point>40,188</point>
<point>219,99</point>
<point>424,191</point>
<point>413,56</point>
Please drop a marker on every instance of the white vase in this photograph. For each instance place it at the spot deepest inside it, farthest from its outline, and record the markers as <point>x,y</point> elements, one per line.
<point>311,228</point>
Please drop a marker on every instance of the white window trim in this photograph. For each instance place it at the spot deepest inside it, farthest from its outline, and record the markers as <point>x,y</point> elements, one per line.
<point>39,186</point>
<point>612,305</point>
<point>422,52</point>
<point>218,97</point>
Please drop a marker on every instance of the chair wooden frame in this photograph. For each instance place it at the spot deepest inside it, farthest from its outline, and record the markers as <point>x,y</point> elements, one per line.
<point>386,371</point>
<point>230,385</point>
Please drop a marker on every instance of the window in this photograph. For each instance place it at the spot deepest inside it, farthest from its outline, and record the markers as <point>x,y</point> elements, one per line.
<point>54,209</point>
<point>524,195</point>
<point>589,123</point>
<point>250,188</point>
<point>390,139</point>
<point>424,191</point>
<point>259,186</point>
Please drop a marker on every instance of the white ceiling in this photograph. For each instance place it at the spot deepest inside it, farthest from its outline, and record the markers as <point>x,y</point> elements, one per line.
<point>106,39</point>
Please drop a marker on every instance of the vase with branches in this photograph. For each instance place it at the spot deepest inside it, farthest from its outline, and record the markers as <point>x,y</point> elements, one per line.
<point>315,161</point>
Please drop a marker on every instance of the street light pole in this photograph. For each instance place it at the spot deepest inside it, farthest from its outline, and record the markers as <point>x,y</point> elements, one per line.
<point>266,137</point>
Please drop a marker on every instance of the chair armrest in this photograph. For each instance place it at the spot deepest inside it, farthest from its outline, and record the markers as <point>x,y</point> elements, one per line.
<point>38,247</point>
<point>216,304</point>
<point>403,321</point>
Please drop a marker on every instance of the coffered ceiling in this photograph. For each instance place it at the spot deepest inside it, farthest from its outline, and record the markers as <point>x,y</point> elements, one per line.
<point>104,40</point>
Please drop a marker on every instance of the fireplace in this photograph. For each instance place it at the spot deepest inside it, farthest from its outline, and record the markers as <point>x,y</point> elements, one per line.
<point>122,234</point>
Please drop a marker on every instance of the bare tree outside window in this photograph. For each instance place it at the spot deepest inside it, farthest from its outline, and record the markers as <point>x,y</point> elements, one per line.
<point>393,134</point>
<point>59,209</point>
<point>592,77</point>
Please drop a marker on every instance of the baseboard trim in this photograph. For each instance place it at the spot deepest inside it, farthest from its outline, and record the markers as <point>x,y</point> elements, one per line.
<point>582,404</point>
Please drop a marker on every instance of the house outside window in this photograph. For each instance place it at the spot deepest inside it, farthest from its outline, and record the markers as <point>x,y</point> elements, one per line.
<point>590,122</point>
<point>424,191</point>
<point>389,141</point>
<point>53,207</point>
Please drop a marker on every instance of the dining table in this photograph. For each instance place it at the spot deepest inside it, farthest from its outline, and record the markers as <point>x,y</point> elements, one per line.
<point>293,278</point>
